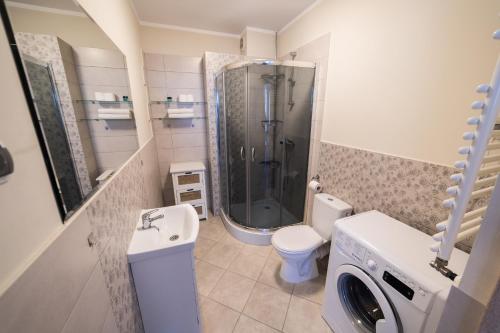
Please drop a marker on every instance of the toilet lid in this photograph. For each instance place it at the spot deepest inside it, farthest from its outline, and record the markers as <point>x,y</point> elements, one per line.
<point>296,239</point>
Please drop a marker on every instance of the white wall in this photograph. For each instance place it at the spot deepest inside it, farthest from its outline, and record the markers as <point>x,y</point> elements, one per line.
<point>75,30</point>
<point>185,43</point>
<point>259,43</point>
<point>401,73</point>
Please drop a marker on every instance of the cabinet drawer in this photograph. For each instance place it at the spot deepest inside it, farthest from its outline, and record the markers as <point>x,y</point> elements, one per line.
<point>188,179</point>
<point>190,194</point>
<point>201,210</point>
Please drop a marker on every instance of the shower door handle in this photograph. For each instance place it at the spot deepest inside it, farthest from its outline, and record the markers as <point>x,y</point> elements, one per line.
<point>242,153</point>
<point>253,154</point>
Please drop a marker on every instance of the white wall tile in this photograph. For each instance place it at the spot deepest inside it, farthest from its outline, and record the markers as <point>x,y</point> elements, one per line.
<point>89,313</point>
<point>153,62</point>
<point>161,126</point>
<point>165,157</point>
<point>42,298</point>
<point>157,94</point>
<point>183,64</point>
<point>184,80</point>
<point>187,125</point>
<point>88,56</point>
<point>101,76</point>
<point>112,128</point>
<point>156,79</point>
<point>163,141</point>
<point>190,154</point>
<point>112,160</point>
<point>109,144</point>
<point>70,71</point>
<point>189,140</point>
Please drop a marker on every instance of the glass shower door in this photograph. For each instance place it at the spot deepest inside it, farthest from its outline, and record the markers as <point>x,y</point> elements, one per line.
<point>235,105</point>
<point>46,100</point>
<point>264,162</point>
<point>297,105</point>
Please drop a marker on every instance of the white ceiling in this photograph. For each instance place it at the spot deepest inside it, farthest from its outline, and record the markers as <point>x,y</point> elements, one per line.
<point>230,16</point>
<point>227,16</point>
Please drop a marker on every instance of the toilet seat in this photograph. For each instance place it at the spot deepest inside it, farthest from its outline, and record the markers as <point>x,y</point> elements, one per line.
<point>296,239</point>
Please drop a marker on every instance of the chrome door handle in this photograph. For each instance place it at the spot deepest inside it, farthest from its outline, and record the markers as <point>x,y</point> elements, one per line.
<point>253,154</point>
<point>242,153</point>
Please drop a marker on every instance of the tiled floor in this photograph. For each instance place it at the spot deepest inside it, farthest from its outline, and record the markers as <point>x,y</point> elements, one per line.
<point>241,290</point>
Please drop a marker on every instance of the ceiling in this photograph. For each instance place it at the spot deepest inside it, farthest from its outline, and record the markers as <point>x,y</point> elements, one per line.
<point>230,16</point>
<point>227,16</point>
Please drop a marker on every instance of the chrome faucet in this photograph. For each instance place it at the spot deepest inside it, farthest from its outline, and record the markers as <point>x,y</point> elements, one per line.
<point>147,220</point>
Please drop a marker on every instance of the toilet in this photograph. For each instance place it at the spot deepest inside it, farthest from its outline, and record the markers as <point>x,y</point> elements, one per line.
<point>297,244</point>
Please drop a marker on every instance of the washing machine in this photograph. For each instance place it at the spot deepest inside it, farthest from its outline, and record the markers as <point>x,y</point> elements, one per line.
<point>379,278</point>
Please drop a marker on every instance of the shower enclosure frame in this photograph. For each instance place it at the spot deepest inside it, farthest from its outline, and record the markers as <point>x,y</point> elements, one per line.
<point>249,234</point>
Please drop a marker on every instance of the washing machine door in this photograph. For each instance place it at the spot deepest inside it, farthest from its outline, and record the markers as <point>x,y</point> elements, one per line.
<point>364,303</point>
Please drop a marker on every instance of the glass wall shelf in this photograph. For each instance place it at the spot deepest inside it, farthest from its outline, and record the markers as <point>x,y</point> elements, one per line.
<point>92,101</point>
<point>177,103</point>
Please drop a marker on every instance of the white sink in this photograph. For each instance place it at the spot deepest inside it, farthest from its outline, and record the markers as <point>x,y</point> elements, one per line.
<point>178,230</point>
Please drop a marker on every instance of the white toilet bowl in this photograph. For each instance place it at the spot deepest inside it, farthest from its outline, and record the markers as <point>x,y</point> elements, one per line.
<point>297,244</point>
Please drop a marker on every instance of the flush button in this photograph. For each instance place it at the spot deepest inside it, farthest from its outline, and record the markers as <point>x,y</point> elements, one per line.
<point>371,264</point>
<point>421,292</point>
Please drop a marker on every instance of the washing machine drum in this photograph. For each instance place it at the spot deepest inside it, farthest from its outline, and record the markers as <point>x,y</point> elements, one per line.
<point>364,303</point>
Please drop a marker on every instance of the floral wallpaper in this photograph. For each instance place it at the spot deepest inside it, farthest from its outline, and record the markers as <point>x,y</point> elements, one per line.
<point>407,190</point>
<point>113,216</point>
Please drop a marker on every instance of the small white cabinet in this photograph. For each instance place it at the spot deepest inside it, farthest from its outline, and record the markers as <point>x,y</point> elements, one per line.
<point>190,185</point>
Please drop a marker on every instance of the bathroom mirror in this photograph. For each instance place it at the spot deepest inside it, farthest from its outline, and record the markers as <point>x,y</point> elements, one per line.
<point>80,94</point>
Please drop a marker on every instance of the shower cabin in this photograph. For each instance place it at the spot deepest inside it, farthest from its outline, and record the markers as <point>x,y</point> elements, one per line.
<point>264,111</point>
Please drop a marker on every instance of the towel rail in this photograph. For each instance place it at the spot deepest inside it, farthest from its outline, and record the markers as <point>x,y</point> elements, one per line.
<point>483,138</point>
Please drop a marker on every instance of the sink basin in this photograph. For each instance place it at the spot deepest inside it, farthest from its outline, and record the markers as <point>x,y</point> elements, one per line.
<point>178,230</point>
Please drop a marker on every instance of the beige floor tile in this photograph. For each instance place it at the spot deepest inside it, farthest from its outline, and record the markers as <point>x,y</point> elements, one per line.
<point>304,316</point>
<point>222,254</point>
<point>271,275</point>
<point>263,251</point>
<point>207,276</point>
<point>248,325</point>
<point>312,290</point>
<point>202,246</point>
<point>217,318</point>
<point>267,305</point>
<point>248,265</point>
<point>229,239</point>
<point>232,290</point>
<point>274,255</point>
<point>212,229</point>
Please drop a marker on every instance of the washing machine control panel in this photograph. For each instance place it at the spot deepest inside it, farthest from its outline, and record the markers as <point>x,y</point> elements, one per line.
<point>381,270</point>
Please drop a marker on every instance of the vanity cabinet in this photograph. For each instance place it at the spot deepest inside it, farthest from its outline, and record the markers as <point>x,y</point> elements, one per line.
<point>190,185</point>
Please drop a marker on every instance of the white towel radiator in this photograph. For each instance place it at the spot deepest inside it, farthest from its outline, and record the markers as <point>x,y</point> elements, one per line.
<point>478,177</point>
